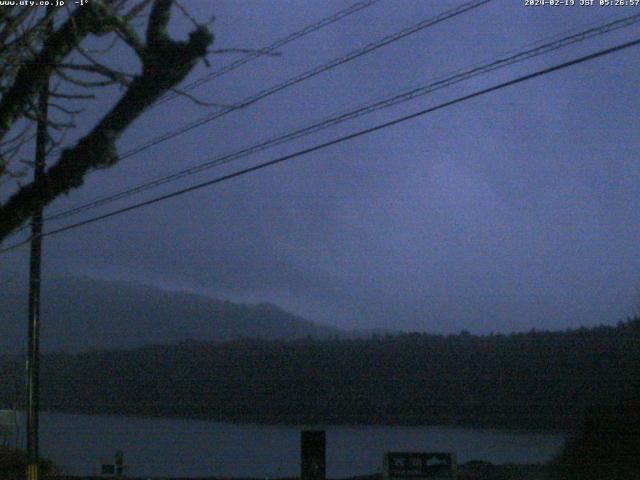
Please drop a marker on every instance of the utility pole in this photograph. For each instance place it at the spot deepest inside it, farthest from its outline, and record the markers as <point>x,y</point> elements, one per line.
<point>33,347</point>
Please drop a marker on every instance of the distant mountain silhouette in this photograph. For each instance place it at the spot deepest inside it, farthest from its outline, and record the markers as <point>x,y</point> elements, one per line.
<point>84,313</point>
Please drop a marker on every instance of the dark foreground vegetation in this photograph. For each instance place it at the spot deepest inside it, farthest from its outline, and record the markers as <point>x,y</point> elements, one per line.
<point>535,380</point>
<point>607,446</point>
<point>13,464</point>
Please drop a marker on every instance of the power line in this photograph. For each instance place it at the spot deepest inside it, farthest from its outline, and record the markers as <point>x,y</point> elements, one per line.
<point>273,47</point>
<point>308,74</point>
<point>336,141</point>
<point>369,108</point>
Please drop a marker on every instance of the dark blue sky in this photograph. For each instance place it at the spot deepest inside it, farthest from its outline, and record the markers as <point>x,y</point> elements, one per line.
<point>512,211</point>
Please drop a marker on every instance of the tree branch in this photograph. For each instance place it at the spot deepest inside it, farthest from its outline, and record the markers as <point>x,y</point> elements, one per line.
<point>30,77</point>
<point>165,64</point>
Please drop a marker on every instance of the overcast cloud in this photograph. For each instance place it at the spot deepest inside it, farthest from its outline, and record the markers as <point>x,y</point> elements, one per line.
<point>512,211</point>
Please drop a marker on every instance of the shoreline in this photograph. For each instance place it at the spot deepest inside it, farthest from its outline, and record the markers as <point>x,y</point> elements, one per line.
<point>333,420</point>
<point>511,471</point>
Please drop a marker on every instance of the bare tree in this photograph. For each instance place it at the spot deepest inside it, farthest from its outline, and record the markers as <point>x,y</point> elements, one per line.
<point>35,51</point>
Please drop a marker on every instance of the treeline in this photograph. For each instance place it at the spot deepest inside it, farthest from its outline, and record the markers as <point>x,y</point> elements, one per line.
<point>534,380</point>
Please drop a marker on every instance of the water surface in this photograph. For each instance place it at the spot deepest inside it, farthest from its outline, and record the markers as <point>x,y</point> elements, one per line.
<point>181,447</point>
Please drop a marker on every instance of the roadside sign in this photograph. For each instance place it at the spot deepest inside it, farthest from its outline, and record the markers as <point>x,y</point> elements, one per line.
<point>419,465</point>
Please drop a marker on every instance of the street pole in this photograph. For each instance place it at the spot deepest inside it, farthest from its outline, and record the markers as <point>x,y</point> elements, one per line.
<point>33,347</point>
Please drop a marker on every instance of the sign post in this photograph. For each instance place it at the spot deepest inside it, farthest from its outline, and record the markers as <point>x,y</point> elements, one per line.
<point>313,446</point>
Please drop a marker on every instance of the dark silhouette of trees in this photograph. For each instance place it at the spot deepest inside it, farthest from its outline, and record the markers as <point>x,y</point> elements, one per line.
<point>535,380</point>
<point>607,447</point>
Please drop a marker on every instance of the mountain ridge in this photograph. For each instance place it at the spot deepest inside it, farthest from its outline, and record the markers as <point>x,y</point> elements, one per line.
<point>83,313</point>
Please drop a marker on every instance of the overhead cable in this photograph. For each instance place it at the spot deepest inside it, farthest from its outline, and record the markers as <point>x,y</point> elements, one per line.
<point>369,108</point>
<point>335,141</point>
<point>271,48</point>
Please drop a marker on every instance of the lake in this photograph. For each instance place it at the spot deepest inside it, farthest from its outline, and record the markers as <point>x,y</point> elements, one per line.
<point>181,447</point>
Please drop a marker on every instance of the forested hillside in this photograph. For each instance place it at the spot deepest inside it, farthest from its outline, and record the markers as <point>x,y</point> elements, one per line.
<point>86,313</point>
<point>541,380</point>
